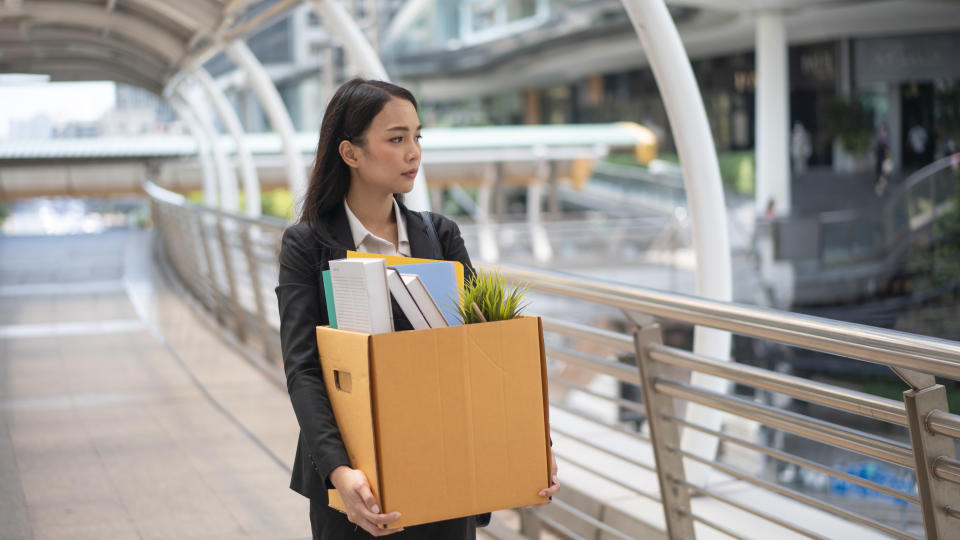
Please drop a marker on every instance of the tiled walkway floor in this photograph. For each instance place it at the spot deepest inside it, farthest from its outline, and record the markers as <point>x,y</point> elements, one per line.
<point>106,430</point>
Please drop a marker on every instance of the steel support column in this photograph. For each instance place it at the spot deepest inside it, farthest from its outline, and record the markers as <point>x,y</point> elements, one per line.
<point>277,113</point>
<point>701,177</point>
<point>248,170</point>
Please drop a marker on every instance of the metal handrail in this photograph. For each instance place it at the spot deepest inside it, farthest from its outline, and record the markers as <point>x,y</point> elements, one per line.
<point>208,249</point>
<point>818,430</point>
<point>890,347</point>
<point>814,392</point>
<point>806,463</point>
<point>902,196</point>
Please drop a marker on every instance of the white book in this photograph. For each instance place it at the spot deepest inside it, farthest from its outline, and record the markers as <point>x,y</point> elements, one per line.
<point>360,295</point>
<point>425,301</point>
<point>406,302</point>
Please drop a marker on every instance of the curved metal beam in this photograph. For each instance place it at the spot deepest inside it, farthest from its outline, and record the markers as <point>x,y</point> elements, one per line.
<point>83,70</point>
<point>143,32</point>
<point>226,179</point>
<point>192,16</point>
<point>705,198</point>
<point>66,51</point>
<point>339,23</point>
<point>61,49</point>
<point>277,113</point>
<point>203,148</point>
<point>248,170</point>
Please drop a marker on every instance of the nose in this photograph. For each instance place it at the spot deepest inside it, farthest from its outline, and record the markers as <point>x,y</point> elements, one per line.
<point>414,153</point>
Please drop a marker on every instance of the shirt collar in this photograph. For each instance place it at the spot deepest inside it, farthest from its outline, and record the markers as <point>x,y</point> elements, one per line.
<point>360,233</point>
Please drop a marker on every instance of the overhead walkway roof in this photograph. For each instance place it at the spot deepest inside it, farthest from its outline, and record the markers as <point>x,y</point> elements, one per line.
<point>139,42</point>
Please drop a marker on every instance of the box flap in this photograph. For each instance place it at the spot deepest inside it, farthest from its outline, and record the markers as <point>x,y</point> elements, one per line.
<point>344,359</point>
<point>474,394</point>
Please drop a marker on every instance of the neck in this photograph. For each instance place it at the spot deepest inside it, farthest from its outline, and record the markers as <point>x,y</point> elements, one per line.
<point>374,211</point>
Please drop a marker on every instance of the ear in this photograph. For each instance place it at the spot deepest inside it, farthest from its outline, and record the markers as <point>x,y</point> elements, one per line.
<point>348,152</point>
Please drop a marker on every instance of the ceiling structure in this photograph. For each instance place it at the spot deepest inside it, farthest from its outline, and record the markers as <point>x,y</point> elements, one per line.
<point>140,42</point>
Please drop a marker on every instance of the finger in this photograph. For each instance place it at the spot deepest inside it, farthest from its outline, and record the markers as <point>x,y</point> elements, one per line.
<point>375,529</point>
<point>369,501</point>
<point>384,519</point>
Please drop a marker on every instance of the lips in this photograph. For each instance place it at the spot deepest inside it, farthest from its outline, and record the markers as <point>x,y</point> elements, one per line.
<point>412,173</point>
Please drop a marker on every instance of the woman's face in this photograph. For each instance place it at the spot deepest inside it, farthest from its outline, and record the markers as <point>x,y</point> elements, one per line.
<point>387,160</point>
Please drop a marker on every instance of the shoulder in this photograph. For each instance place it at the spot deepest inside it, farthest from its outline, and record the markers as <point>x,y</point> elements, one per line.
<point>441,223</point>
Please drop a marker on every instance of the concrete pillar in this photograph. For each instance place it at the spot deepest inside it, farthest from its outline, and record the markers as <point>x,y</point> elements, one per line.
<point>894,125</point>
<point>773,114</point>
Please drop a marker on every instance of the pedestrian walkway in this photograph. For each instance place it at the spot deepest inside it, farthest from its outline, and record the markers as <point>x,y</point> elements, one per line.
<point>123,415</point>
<point>109,431</point>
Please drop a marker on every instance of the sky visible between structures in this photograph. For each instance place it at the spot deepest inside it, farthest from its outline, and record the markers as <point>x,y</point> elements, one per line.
<point>23,99</point>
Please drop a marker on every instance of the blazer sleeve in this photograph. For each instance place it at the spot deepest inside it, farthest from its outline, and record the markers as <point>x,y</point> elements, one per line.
<point>302,308</point>
<point>452,243</point>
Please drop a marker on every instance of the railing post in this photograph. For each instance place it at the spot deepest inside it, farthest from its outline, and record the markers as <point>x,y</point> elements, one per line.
<point>211,271</point>
<point>253,267</point>
<point>935,494</point>
<point>529,523</point>
<point>665,438</point>
<point>235,308</point>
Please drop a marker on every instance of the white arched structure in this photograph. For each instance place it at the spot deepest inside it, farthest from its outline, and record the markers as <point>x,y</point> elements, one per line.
<point>203,149</point>
<point>276,112</point>
<point>339,23</point>
<point>705,198</point>
<point>226,179</point>
<point>248,170</point>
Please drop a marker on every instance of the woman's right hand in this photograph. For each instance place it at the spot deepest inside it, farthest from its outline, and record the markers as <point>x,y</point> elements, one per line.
<point>361,505</point>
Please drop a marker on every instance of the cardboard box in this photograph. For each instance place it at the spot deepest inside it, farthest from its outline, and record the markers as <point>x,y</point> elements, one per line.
<point>446,422</point>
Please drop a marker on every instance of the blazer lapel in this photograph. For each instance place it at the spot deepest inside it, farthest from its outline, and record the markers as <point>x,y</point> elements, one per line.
<point>417,235</point>
<point>339,229</point>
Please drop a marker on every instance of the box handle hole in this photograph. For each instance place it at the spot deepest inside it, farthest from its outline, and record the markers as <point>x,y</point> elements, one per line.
<point>343,381</point>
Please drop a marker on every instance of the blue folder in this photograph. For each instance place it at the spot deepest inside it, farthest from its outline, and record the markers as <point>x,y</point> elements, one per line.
<point>440,279</point>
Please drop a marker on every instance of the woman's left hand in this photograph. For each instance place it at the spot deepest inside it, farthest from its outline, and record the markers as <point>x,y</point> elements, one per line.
<point>554,483</point>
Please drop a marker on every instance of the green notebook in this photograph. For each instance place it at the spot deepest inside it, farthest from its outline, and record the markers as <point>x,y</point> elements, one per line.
<point>328,294</point>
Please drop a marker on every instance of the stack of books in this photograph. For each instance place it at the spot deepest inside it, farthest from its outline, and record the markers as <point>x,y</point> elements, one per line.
<point>367,295</point>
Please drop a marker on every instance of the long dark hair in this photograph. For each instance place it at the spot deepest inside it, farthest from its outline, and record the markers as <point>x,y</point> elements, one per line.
<point>349,113</point>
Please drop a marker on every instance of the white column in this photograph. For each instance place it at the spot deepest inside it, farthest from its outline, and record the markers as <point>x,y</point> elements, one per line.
<point>705,200</point>
<point>203,150</point>
<point>773,114</point>
<point>277,113</point>
<point>248,170</point>
<point>895,127</point>
<point>362,55</point>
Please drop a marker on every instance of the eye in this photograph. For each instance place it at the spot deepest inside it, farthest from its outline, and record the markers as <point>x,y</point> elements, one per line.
<point>419,137</point>
<point>398,139</point>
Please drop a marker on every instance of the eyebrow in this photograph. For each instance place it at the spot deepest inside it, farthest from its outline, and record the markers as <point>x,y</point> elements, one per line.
<point>402,128</point>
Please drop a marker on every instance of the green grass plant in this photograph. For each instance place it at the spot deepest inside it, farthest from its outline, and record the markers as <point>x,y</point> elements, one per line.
<point>494,297</point>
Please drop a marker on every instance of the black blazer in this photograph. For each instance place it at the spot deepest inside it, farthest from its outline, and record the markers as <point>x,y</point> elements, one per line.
<point>304,254</point>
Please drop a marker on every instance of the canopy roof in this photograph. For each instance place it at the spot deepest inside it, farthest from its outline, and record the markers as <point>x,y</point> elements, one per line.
<point>140,42</point>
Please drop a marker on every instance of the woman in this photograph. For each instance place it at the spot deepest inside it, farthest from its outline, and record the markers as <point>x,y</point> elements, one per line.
<point>368,155</point>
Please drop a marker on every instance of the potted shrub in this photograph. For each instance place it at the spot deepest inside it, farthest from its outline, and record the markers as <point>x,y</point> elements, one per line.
<point>487,297</point>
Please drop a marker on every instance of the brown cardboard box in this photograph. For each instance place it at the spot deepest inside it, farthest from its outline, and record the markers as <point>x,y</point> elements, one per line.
<point>446,422</point>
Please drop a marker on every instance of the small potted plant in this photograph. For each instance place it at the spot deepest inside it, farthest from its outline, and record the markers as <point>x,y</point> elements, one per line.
<point>487,297</point>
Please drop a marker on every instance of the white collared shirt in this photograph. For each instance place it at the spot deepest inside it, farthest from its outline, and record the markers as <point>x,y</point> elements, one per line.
<point>367,242</point>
